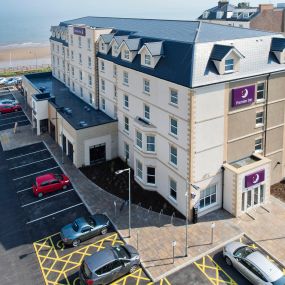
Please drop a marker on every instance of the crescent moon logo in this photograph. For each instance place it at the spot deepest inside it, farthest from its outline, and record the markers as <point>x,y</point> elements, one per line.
<point>255,178</point>
<point>244,93</point>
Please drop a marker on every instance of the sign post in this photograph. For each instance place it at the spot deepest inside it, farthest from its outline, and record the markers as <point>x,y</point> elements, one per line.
<point>173,247</point>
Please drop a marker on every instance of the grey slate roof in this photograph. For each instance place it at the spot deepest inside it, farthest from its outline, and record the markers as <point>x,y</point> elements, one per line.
<point>155,48</point>
<point>119,39</point>
<point>278,44</point>
<point>219,52</point>
<point>176,30</point>
<point>107,38</point>
<point>132,44</point>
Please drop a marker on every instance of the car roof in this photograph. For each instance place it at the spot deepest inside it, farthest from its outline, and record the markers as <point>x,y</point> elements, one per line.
<point>100,258</point>
<point>45,177</point>
<point>265,265</point>
<point>81,222</point>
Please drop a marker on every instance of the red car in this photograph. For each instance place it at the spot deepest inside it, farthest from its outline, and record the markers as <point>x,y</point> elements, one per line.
<point>49,183</point>
<point>9,108</point>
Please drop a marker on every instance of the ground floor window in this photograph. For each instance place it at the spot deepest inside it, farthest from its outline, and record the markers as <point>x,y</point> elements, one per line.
<point>173,189</point>
<point>139,170</point>
<point>208,196</point>
<point>127,151</point>
<point>150,175</point>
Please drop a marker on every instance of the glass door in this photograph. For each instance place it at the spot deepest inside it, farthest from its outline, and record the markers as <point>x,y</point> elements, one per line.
<point>255,196</point>
<point>249,200</point>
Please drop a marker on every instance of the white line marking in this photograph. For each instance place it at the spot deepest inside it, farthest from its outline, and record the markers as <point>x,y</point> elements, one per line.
<point>47,198</point>
<point>13,117</point>
<point>1,125</point>
<point>38,219</point>
<point>26,154</point>
<point>26,189</point>
<point>35,173</point>
<point>31,163</point>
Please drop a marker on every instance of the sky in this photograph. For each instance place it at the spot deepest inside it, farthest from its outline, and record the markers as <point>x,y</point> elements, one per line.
<point>30,20</point>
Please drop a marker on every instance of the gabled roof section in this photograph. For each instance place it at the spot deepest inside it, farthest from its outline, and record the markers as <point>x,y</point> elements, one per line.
<point>119,39</point>
<point>219,52</point>
<point>278,44</point>
<point>132,44</point>
<point>154,48</point>
<point>107,38</point>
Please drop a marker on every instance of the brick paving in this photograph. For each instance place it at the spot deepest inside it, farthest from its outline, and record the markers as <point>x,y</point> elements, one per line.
<point>156,233</point>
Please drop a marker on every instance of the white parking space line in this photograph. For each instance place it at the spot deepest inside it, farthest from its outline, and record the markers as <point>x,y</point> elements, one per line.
<point>26,154</point>
<point>38,201</point>
<point>35,173</point>
<point>31,163</point>
<point>57,212</point>
<point>26,189</point>
<point>12,117</point>
<point>7,114</point>
<point>1,125</point>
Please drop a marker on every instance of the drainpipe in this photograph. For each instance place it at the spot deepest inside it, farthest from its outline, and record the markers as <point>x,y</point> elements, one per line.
<point>266,112</point>
<point>223,185</point>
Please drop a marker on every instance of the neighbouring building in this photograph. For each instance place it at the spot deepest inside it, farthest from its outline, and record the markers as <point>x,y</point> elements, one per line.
<point>182,101</point>
<point>265,17</point>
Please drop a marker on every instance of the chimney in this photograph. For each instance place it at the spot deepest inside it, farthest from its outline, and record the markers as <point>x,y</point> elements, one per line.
<point>263,7</point>
<point>221,3</point>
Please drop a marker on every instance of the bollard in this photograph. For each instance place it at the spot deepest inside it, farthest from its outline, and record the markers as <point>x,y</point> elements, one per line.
<point>213,225</point>
<point>160,213</point>
<point>149,209</point>
<point>173,253</point>
<point>172,218</point>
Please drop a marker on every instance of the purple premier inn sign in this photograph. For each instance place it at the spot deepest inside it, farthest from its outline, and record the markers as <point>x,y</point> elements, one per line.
<point>79,31</point>
<point>243,95</point>
<point>254,178</point>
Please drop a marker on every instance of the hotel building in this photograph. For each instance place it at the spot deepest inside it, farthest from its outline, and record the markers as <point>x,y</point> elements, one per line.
<point>184,102</point>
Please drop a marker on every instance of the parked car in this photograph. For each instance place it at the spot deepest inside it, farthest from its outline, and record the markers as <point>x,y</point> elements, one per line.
<point>252,264</point>
<point>49,183</point>
<point>8,101</point>
<point>3,80</point>
<point>109,264</point>
<point>11,81</point>
<point>84,228</point>
<point>18,79</point>
<point>8,108</point>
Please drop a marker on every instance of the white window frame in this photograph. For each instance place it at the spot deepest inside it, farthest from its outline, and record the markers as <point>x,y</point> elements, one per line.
<point>139,139</point>
<point>150,145</point>
<point>71,39</point>
<point>80,75</point>
<point>103,85</point>
<point>114,70</point>
<point>146,113</point>
<point>206,195</point>
<point>80,58</point>
<point>81,92</point>
<point>152,176</point>
<point>72,55</point>
<point>173,156</point>
<point>90,80</point>
<point>146,86</point>
<point>127,151</point>
<point>227,65</point>
<point>90,98</point>
<point>173,127</point>
<point>103,104</point>
<point>89,61</point>
<point>126,124</point>
<point>126,101</point>
<point>147,59</point>
<point>126,54</point>
<point>173,97</point>
<point>125,78</point>
<point>139,170</point>
<point>72,71</point>
<point>259,119</point>
<point>258,145</point>
<point>171,188</point>
<point>89,44</point>
<point>261,91</point>
<point>102,64</point>
<point>79,42</point>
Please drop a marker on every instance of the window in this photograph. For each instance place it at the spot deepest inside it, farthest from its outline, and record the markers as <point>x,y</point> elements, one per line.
<point>115,112</point>
<point>58,74</point>
<point>208,196</point>
<point>80,58</point>
<point>80,75</point>
<point>102,46</point>
<point>229,65</point>
<point>71,39</point>
<point>139,139</point>
<point>146,86</point>
<point>90,98</point>
<point>89,43</point>
<point>68,67</point>
<point>173,155</point>
<point>147,59</point>
<point>259,119</point>
<point>139,170</point>
<point>103,104</point>
<point>68,81</point>
<point>53,59</point>
<point>115,49</point>
<point>127,151</point>
<point>90,80</point>
<point>72,55</point>
<point>173,126</point>
<point>260,93</point>
<point>126,54</point>
<point>58,61</point>
<point>103,85</point>
<point>115,91</point>
<point>72,71</point>
<point>81,91</point>
<point>150,143</point>
<point>258,145</point>
<point>73,86</point>
<point>126,126</point>
<point>102,65</point>
<point>146,112</point>
<point>52,47</point>
<point>173,189</point>
<point>126,77</point>
<point>126,101</point>
<point>150,172</point>
<point>115,70</point>
<point>173,96</point>
<point>62,51</point>
<point>89,61</point>
<point>67,52</point>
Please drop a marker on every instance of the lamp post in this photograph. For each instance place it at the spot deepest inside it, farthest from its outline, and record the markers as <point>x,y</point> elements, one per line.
<point>120,172</point>
<point>188,184</point>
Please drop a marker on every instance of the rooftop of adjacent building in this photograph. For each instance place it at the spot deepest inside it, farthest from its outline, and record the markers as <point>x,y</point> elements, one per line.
<point>174,30</point>
<point>74,110</point>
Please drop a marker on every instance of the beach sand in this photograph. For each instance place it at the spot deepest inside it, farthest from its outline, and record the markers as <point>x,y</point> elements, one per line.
<point>24,55</point>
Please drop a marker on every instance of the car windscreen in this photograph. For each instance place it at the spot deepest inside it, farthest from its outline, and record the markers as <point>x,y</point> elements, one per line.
<point>243,252</point>
<point>122,252</point>
<point>58,176</point>
<point>86,271</point>
<point>280,281</point>
<point>75,226</point>
<point>91,222</point>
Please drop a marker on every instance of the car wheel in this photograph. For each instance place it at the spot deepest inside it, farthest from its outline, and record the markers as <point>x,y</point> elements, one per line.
<point>64,187</point>
<point>104,231</point>
<point>76,242</point>
<point>133,268</point>
<point>40,195</point>
<point>228,261</point>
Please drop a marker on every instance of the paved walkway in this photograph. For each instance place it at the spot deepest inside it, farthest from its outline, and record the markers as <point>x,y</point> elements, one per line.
<point>155,233</point>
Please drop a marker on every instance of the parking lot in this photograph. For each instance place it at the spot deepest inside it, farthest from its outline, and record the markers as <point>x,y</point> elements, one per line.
<point>7,121</point>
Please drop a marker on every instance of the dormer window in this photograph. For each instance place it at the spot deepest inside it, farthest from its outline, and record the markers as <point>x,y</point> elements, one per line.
<point>205,15</point>
<point>278,49</point>
<point>229,65</point>
<point>147,59</point>
<point>102,46</point>
<point>115,49</point>
<point>219,14</point>
<point>126,54</point>
<point>151,53</point>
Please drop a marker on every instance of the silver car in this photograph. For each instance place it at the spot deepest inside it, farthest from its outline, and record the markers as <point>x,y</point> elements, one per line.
<point>8,101</point>
<point>252,264</point>
<point>109,264</point>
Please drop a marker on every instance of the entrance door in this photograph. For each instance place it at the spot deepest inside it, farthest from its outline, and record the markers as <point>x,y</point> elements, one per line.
<point>52,130</point>
<point>97,153</point>
<point>70,150</point>
<point>64,143</point>
<point>252,198</point>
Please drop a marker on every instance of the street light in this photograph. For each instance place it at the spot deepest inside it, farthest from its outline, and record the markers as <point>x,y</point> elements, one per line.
<point>187,212</point>
<point>118,172</point>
